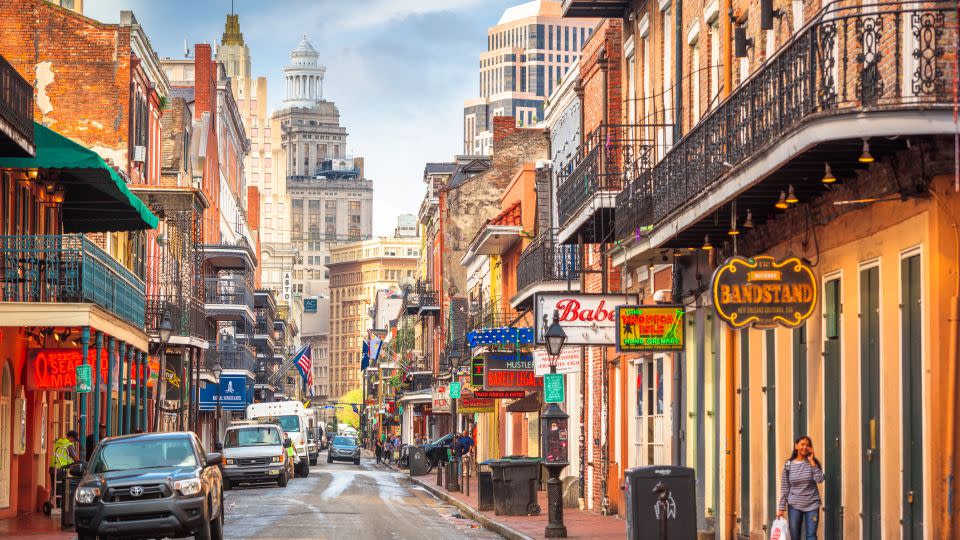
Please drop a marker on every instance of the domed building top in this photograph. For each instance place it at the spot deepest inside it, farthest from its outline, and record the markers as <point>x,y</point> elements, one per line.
<point>304,76</point>
<point>304,54</point>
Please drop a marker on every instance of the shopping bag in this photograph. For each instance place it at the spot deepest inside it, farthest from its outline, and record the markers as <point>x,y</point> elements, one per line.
<point>780,530</point>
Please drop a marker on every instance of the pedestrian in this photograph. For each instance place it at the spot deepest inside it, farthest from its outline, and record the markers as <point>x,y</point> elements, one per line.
<point>799,496</point>
<point>64,454</point>
<point>456,451</point>
<point>379,450</point>
<point>92,442</point>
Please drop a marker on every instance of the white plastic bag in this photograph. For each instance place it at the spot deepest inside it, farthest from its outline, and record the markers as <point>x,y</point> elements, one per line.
<point>780,530</point>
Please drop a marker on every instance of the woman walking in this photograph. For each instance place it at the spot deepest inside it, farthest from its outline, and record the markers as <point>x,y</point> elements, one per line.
<point>799,495</point>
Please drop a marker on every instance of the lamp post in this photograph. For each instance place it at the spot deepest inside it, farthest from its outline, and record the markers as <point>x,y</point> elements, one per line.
<point>217,369</point>
<point>453,478</point>
<point>160,392</point>
<point>554,439</point>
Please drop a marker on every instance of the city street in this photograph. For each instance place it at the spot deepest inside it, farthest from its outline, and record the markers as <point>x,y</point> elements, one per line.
<point>341,500</point>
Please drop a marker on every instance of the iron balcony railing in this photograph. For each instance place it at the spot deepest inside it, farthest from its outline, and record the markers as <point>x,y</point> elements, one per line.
<point>547,260</point>
<point>16,100</point>
<point>491,314</point>
<point>186,315</point>
<point>605,161</point>
<point>68,269</point>
<point>850,60</point>
<point>236,356</point>
<point>229,290</point>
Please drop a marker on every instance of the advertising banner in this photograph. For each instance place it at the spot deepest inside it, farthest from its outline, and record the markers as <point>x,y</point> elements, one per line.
<point>588,319</point>
<point>764,292</point>
<point>567,362</point>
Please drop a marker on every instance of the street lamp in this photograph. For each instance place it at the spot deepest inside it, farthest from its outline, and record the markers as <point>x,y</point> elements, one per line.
<point>217,369</point>
<point>160,391</point>
<point>453,479</point>
<point>554,439</point>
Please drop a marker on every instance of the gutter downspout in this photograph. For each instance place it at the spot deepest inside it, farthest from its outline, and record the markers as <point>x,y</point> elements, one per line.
<point>678,71</point>
<point>730,517</point>
<point>726,33</point>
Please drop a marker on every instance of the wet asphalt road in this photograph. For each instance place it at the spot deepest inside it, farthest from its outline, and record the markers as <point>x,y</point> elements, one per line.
<point>342,500</point>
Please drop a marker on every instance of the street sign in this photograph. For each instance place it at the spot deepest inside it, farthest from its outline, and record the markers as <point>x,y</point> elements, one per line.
<point>83,378</point>
<point>454,390</point>
<point>553,388</point>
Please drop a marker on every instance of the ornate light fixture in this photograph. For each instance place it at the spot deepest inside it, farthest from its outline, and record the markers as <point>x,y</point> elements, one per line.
<point>782,203</point>
<point>748,223</point>
<point>791,196</point>
<point>865,155</point>
<point>707,246</point>
<point>828,177</point>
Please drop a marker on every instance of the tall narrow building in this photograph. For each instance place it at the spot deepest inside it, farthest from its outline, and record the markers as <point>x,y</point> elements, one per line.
<point>528,51</point>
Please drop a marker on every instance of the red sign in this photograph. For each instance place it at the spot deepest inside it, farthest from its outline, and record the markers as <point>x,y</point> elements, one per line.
<point>500,394</point>
<point>505,379</point>
<point>56,369</point>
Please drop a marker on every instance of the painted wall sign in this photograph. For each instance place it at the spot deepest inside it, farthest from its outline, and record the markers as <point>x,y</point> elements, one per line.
<point>567,362</point>
<point>500,394</point>
<point>588,319</point>
<point>764,292</point>
<point>649,328</point>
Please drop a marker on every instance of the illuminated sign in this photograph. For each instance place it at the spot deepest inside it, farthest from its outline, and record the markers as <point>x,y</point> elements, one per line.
<point>504,379</point>
<point>476,371</point>
<point>500,394</point>
<point>56,369</point>
<point>513,361</point>
<point>649,328</point>
<point>475,405</point>
<point>764,292</point>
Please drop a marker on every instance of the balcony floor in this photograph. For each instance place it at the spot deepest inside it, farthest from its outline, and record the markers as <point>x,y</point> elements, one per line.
<point>21,314</point>
<point>594,220</point>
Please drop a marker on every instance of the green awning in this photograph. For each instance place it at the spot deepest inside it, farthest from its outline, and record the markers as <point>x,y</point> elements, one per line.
<point>96,198</point>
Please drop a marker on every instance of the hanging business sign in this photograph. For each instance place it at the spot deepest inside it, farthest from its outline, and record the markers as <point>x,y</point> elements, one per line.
<point>567,362</point>
<point>763,291</point>
<point>649,328</point>
<point>509,371</point>
<point>476,372</point>
<point>587,319</point>
<point>287,287</point>
<point>310,304</point>
<point>500,394</point>
<point>233,392</point>
<point>440,399</point>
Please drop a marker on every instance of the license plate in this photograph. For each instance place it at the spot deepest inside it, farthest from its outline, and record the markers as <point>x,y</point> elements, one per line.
<point>274,472</point>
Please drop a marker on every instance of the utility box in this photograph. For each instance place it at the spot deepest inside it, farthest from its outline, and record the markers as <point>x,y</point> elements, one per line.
<point>661,503</point>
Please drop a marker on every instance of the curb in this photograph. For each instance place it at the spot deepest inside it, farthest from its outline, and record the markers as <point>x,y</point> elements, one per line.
<point>489,524</point>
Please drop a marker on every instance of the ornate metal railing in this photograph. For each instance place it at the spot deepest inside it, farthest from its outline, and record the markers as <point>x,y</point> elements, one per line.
<point>606,160</point>
<point>16,100</point>
<point>236,356</point>
<point>849,60</point>
<point>230,290</point>
<point>547,260</point>
<point>186,315</point>
<point>68,268</point>
<point>491,314</point>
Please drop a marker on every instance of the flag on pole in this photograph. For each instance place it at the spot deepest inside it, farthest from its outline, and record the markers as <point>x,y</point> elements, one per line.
<point>375,345</point>
<point>365,357</point>
<point>302,359</point>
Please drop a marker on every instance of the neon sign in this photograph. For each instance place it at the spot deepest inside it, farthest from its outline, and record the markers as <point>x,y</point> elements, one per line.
<point>764,292</point>
<point>649,328</point>
<point>56,369</point>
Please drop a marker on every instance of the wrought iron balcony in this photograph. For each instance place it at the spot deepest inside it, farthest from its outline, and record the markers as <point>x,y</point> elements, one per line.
<point>609,158</point>
<point>186,314</point>
<point>492,314</point>
<point>850,62</point>
<point>233,290</point>
<point>16,113</point>
<point>68,269</point>
<point>236,356</point>
<point>545,259</point>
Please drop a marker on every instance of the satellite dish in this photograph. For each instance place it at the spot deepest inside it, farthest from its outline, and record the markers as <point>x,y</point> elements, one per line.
<point>407,283</point>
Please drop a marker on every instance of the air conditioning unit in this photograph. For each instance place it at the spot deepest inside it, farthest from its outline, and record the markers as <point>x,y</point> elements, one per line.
<point>139,154</point>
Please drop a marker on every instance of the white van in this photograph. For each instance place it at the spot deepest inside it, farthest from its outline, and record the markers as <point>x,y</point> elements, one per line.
<point>294,421</point>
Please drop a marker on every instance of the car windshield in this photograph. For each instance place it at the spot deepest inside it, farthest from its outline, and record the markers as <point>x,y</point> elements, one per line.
<point>252,436</point>
<point>144,454</point>
<point>443,439</point>
<point>344,441</point>
<point>290,422</point>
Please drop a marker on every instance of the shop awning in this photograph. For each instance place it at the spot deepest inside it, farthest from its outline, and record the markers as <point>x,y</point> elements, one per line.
<point>531,403</point>
<point>96,198</point>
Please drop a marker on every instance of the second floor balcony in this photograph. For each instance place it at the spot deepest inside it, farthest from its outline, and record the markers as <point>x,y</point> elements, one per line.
<point>546,265</point>
<point>70,268</point>
<point>229,298</point>
<point>16,113</point>
<point>186,314</point>
<point>234,355</point>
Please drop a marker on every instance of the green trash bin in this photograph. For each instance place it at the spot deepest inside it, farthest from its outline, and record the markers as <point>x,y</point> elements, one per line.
<point>515,486</point>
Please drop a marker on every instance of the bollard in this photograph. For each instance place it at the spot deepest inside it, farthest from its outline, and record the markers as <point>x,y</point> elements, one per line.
<point>466,471</point>
<point>439,474</point>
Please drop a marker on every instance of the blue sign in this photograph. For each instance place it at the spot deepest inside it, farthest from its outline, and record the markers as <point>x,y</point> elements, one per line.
<point>236,392</point>
<point>310,305</point>
<point>505,335</point>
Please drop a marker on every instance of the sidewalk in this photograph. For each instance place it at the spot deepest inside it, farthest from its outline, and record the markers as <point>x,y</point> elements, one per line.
<point>579,524</point>
<point>34,526</point>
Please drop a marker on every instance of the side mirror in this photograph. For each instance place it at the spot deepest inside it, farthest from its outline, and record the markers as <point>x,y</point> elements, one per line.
<point>287,443</point>
<point>77,468</point>
<point>214,458</point>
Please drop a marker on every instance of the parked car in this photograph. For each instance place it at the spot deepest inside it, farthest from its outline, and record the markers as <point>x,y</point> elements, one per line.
<point>344,448</point>
<point>254,453</point>
<point>150,484</point>
<point>436,451</point>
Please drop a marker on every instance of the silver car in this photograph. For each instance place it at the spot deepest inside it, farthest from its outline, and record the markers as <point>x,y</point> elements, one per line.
<point>344,448</point>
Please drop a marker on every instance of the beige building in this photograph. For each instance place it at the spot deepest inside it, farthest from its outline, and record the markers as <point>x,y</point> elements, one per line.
<point>357,271</point>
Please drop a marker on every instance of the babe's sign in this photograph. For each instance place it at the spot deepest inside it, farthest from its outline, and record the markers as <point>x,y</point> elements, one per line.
<point>56,369</point>
<point>587,319</point>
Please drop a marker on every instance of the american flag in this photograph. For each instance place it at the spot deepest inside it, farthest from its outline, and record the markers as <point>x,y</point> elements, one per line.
<point>304,365</point>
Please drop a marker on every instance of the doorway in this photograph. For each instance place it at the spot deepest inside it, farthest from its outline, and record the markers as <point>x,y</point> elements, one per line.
<point>870,399</point>
<point>6,394</point>
<point>832,511</point>
<point>911,331</point>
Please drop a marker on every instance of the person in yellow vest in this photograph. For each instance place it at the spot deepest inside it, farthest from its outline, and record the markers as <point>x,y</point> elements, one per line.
<point>291,459</point>
<point>64,454</point>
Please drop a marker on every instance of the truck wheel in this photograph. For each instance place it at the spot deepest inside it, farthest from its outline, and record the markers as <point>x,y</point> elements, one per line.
<point>282,481</point>
<point>303,469</point>
<point>216,526</point>
<point>329,459</point>
<point>356,461</point>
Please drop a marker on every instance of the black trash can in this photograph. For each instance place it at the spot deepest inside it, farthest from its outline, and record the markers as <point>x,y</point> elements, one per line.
<point>418,460</point>
<point>515,486</point>
<point>484,486</point>
<point>68,487</point>
<point>677,512</point>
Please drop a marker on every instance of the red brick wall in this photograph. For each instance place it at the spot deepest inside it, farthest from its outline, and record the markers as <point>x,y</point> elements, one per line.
<point>602,65</point>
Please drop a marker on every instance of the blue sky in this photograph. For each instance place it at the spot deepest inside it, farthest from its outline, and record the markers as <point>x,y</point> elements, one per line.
<point>398,70</point>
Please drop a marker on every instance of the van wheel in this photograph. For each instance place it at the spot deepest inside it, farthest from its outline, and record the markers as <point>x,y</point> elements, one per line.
<point>303,469</point>
<point>282,481</point>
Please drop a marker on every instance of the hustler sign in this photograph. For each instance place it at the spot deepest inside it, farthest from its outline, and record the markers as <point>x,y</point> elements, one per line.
<point>587,319</point>
<point>764,292</point>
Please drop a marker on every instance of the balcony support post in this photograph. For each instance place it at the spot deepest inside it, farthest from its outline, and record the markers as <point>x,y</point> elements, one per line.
<point>127,404</point>
<point>84,402</point>
<point>98,372</point>
<point>145,377</point>
<point>120,400</point>
<point>108,402</point>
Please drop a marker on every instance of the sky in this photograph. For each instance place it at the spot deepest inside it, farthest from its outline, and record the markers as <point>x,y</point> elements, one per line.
<point>398,70</point>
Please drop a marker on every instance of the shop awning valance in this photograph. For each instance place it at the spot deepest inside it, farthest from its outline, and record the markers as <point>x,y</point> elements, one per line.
<point>96,198</point>
<point>530,403</point>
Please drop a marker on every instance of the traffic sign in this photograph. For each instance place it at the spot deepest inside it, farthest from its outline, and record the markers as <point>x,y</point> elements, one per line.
<point>553,388</point>
<point>454,390</point>
<point>83,378</point>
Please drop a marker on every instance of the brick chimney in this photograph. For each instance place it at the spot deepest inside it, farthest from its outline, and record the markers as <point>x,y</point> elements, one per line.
<point>205,84</point>
<point>503,126</point>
